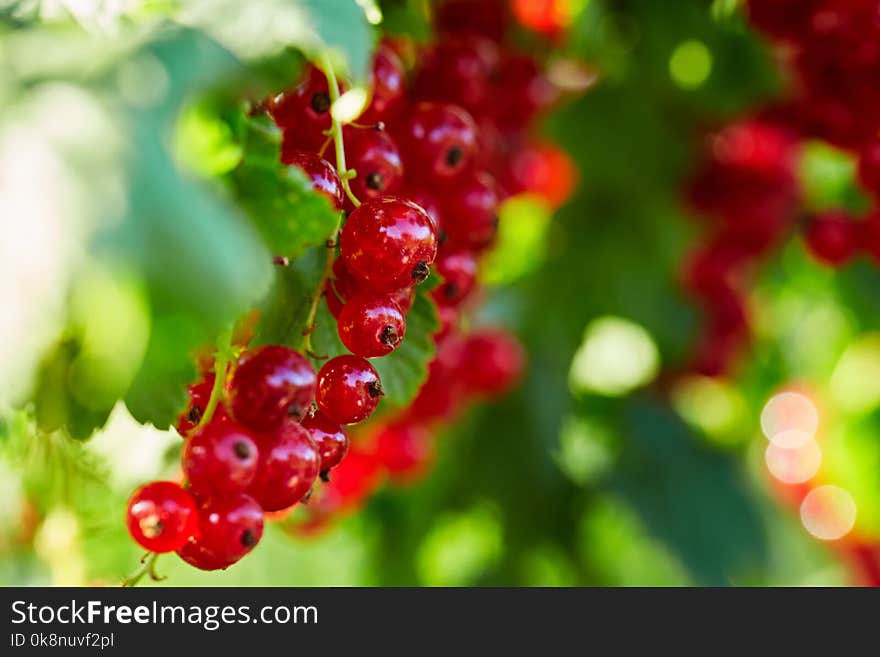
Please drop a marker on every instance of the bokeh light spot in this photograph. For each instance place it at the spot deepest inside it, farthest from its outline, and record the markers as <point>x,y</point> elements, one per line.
<point>616,356</point>
<point>690,64</point>
<point>828,512</point>
<point>793,466</point>
<point>855,383</point>
<point>789,419</point>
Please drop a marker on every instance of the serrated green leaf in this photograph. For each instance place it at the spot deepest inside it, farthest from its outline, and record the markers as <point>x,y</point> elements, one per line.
<point>290,216</point>
<point>405,369</point>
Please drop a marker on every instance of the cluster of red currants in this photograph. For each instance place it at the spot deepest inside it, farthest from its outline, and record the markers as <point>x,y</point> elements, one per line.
<point>747,186</point>
<point>420,177</point>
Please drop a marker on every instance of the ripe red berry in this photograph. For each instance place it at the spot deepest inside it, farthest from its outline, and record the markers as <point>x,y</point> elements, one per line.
<point>348,389</point>
<point>161,516</point>
<point>521,91</point>
<point>388,84</point>
<point>371,326</point>
<point>221,457</point>
<point>448,318</point>
<point>487,18</point>
<point>405,450</point>
<point>199,394</point>
<point>459,272</point>
<point>330,439</point>
<point>373,155</point>
<point>870,235</point>
<point>471,213</point>
<point>304,111</point>
<point>388,244</point>
<point>440,396</point>
<point>437,140</point>
<point>831,237</point>
<point>320,173</point>
<point>426,201</point>
<point>458,70</point>
<point>542,169</point>
<point>269,384</point>
<point>289,465</point>
<point>353,480</point>
<point>869,166</point>
<point>495,360</point>
<point>343,287</point>
<point>230,527</point>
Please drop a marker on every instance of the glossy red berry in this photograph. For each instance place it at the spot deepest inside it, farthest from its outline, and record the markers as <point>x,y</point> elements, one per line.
<point>470,214</point>
<point>320,173</point>
<point>831,237</point>
<point>348,389</point>
<point>270,383</point>
<point>303,112</point>
<point>289,465</point>
<point>199,394</point>
<point>437,140</point>
<point>330,439</point>
<point>343,287</point>
<point>373,155</point>
<point>353,480</point>
<point>162,516</point>
<point>388,244</point>
<point>426,200</point>
<point>495,361</point>
<point>459,272</point>
<point>388,82</point>
<point>230,527</point>
<point>542,169</point>
<point>405,450</point>
<point>521,91</point>
<point>371,326</point>
<point>221,457</point>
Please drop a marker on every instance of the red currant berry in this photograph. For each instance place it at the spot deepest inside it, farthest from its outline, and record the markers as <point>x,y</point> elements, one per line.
<point>405,450</point>
<point>870,235</point>
<point>459,272</point>
<point>522,91</point>
<point>330,439</point>
<point>426,201</point>
<point>388,244</point>
<point>343,287</point>
<point>199,393</point>
<point>438,140</point>
<point>440,396</point>
<point>471,213</point>
<point>230,527</point>
<point>488,18</point>
<point>545,170</point>
<point>162,516</point>
<point>289,465</point>
<point>221,457</point>
<point>353,480</point>
<point>304,111</point>
<point>371,326</point>
<point>388,83</point>
<point>348,389</point>
<point>373,155</point>
<point>448,318</point>
<point>459,71</point>
<point>495,360</point>
<point>831,238</point>
<point>869,166</point>
<point>269,384</point>
<point>320,173</point>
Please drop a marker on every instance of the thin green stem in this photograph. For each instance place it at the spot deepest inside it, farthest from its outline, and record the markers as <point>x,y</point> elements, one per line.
<point>221,361</point>
<point>336,129</point>
<point>345,175</point>
<point>148,567</point>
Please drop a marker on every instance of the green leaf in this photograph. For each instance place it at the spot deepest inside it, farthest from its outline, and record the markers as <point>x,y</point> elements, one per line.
<point>405,369</point>
<point>290,216</point>
<point>689,497</point>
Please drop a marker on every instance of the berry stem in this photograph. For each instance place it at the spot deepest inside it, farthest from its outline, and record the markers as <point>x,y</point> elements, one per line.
<point>336,130</point>
<point>148,567</point>
<point>221,362</point>
<point>345,175</point>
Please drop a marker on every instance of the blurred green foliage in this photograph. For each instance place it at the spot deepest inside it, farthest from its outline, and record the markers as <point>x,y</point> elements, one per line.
<point>185,203</point>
